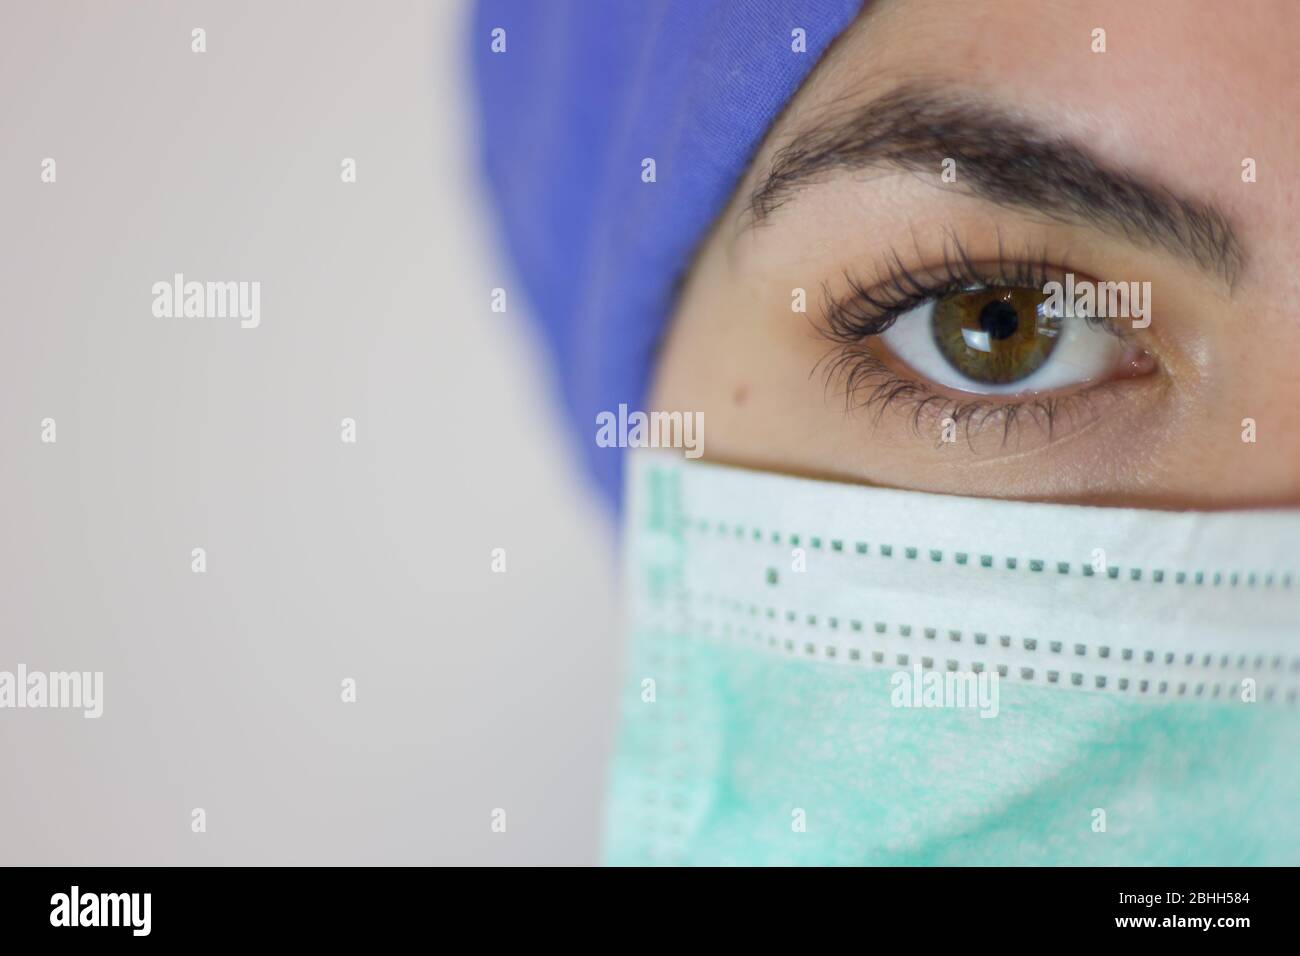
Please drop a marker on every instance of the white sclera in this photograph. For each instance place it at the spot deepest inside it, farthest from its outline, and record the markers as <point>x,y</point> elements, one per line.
<point>1084,353</point>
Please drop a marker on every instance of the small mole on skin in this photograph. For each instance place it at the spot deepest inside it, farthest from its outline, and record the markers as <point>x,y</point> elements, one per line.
<point>741,393</point>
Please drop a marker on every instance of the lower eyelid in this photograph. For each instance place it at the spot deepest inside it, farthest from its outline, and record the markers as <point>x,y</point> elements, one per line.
<point>870,384</point>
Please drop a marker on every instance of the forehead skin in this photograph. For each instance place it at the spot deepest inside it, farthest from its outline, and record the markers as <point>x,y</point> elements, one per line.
<point>1185,91</point>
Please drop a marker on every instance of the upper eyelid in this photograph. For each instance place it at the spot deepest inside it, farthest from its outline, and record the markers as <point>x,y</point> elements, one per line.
<point>1028,266</point>
<point>867,309</point>
<point>875,303</point>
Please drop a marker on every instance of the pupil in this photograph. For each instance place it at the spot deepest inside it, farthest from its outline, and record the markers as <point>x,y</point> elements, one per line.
<point>999,320</point>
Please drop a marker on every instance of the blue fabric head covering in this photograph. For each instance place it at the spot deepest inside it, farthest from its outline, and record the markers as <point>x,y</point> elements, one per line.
<point>584,91</point>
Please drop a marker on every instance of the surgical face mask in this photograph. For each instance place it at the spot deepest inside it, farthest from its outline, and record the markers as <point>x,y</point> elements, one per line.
<point>834,674</point>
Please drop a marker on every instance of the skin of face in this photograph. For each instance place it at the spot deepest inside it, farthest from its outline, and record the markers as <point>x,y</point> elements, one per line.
<point>1184,92</point>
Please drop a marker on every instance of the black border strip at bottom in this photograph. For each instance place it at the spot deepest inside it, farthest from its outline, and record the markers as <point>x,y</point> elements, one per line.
<point>212,905</point>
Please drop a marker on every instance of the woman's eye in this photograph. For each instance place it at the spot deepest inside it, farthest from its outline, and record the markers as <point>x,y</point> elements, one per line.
<point>1002,340</point>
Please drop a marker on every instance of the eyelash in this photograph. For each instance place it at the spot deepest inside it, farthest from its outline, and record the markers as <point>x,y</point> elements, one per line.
<point>865,312</point>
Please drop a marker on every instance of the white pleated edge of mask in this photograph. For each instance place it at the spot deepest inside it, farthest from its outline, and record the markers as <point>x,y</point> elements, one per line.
<point>1162,604</point>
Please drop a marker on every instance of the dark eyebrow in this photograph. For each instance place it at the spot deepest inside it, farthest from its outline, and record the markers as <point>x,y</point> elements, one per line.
<point>1003,159</point>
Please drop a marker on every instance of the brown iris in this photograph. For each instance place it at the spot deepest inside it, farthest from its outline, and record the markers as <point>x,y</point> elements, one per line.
<point>995,336</point>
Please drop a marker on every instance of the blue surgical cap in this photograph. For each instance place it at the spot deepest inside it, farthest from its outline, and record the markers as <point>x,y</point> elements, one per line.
<point>574,96</point>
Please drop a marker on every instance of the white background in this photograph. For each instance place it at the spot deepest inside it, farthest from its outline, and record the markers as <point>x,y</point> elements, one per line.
<point>325,560</point>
